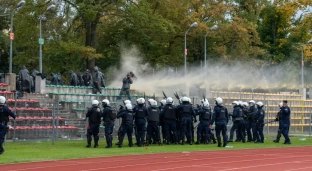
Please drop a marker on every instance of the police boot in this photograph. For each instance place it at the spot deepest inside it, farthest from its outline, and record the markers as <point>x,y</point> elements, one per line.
<point>276,140</point>
<point>148,137</point>
<point>1,147</point>
<point>107,142</point>
<point>130,141</point>
<point>89,139</point>
<point>214,140</point>
<point>96,141</point>
<point>120,141</point>
<point>219,144</point>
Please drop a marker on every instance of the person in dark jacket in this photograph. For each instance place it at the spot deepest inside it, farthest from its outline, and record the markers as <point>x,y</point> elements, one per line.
<point>169,115</point>
<point>278,116</point>
<point>5,112</point>
<point>80,80</point>
<point>285,121</point>
<point>221,117</point>
<point>126,87</point>
<point>140,115</point>
<point>94,115</point>
<point>73,80</point>
<point>238,121</point>
<point>25,80</point>
<point>109,115</point>
<point>126,124</point>
<point>250,125</point>
<point>153,123</point>
<point>87,78</point>
<point>102,78</point>
<point>258,120</point>
<point>96,81</point>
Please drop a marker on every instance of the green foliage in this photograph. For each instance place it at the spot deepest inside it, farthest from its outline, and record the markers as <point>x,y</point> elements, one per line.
<point>82,33</point>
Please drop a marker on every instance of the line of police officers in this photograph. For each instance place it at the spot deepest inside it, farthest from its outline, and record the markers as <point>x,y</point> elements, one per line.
<point>249,118</point>
<point>176,122</point>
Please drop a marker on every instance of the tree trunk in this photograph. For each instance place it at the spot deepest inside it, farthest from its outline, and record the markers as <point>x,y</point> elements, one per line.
<point>91,40</point>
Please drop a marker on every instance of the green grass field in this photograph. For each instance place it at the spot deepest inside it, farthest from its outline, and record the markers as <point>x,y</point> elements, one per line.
<point>44,150</point>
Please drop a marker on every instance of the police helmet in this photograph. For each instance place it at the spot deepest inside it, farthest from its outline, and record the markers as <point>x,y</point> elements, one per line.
<point>240,103</point>
<point>163,101</point>
<point>153,103</point>
<point>127,102</point>
<point>190,101</point>
<point>204,100</point>
<point>185,99</point>
<point>260,104</point>
<point>280,104</point>
<point>245,104</point>
<point>2,99</point>
<point>169,100</point>
<point>206,104</point>
<point>150,101</point>
<point>236,103</point>
<point>219,100</point>
<point>95,102</point>
<point>141,101</point>
<point>105,102</point>
<point>128,106</point>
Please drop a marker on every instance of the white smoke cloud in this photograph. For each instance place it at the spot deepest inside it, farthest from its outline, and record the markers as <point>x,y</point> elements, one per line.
<point>218,76</point>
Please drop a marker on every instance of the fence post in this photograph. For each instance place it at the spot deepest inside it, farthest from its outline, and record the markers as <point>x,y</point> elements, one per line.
<point>53,123</point>
<point>15,103</point>
<point>57,114</point>
<point>310,124</point>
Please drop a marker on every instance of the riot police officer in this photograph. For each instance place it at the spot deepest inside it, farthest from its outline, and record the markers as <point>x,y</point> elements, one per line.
<point>238,121</point>
<point>279,132</point>
<point>285,121</point>
<point>140,115</point>
<point>120,110</point>
<point>109,115</point>
<point>153,123</point>
<point>169,113</point>
<point>161,119</point>
<point>127,116</point>
<point>250,126</point>
<point>94,115</point>
<point>220,116</point>
<point>5,112</point>
<point>186,116</point>
<point>203,127</point>
<point>258,119</point>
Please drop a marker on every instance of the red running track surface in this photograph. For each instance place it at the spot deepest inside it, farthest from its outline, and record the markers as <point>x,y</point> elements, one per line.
<point>275,159</point>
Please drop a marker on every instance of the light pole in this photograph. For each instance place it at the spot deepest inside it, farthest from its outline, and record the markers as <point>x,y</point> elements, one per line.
<point>302,62</point>
<point>185,50</point>
<point>51,7</point>
<point>19,5</point>
<point>211,28</point>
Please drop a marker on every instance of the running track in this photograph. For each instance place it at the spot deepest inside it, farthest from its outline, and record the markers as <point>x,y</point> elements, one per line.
<point>269,159</point>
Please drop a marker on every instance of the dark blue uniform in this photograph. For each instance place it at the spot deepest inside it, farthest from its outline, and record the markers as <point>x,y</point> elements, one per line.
<point>162,123</point>
<point>203,129</point>
<point>250,124</point>
<point>169,114</point>
<point>5,112</point>
<point>285,123</point>
<point>186,116</point>
<point>94,115</point>
<point>140,115</point>
<point>238,121</point>
<point>258,119</point>
<point>220,116</point>
<point>126,126</point>
<point>153,125</point>
<point>109,115</point>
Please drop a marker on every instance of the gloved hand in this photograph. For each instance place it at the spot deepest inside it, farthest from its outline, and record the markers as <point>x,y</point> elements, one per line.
<point>121,107</point>
<point>276,119</point>
<point>198,106</point>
